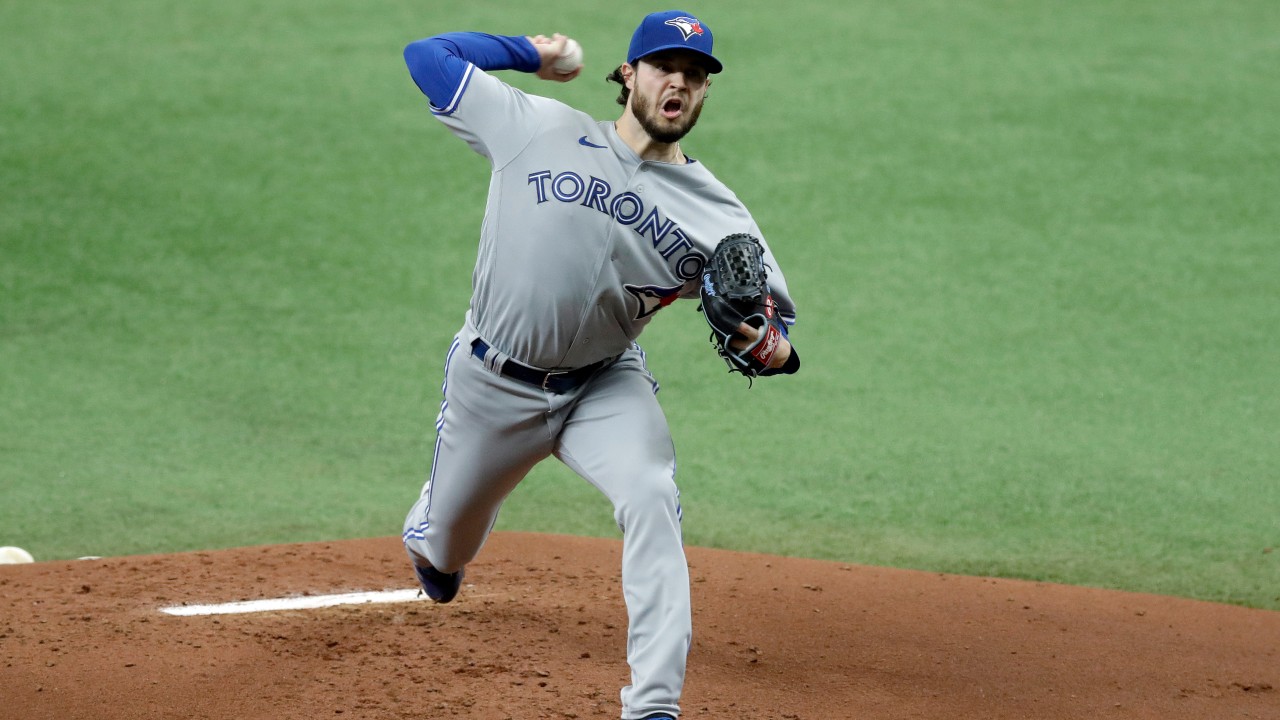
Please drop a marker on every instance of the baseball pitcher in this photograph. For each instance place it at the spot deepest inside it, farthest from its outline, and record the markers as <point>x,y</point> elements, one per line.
<point>590,230</point>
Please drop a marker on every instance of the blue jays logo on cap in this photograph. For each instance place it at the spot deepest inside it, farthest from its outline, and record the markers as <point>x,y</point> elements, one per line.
<point>688,26</point>
<point>673,30</point>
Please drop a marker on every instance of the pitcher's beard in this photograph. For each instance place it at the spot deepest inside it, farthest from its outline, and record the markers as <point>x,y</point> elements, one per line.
<point>660,128</point>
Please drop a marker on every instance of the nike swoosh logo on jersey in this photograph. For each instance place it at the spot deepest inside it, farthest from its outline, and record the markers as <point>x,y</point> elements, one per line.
<point>587,143</point>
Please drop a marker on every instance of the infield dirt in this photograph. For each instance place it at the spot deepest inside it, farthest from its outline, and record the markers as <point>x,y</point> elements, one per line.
<point>539,631</point>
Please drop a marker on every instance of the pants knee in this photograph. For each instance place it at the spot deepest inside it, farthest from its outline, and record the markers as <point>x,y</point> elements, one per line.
<point>648,502</point>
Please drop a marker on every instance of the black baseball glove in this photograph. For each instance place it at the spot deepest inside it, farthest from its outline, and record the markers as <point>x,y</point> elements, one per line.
<point>735,292</point>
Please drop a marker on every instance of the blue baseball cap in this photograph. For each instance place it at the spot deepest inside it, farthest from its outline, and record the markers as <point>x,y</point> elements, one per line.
<point>672,30</point>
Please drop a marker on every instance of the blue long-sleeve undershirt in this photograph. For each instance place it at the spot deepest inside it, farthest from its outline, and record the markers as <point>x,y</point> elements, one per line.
<point>439,64</point>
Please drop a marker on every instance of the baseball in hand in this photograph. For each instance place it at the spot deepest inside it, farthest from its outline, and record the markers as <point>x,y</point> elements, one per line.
<point>570,58</point>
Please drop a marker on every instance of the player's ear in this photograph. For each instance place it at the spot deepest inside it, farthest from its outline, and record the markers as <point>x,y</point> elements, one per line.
<point>628,75</point>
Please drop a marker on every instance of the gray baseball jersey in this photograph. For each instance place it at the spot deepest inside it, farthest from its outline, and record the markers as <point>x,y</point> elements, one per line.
<point>583,242</point>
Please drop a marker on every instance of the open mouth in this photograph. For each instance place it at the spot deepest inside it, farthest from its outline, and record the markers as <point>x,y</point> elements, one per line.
<point>672,108</point>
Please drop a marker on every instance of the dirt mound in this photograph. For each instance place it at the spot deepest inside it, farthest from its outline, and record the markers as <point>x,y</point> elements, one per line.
<point>539,631</point>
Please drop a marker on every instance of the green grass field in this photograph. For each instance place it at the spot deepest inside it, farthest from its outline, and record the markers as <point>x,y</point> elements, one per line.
<point>1036,248</point>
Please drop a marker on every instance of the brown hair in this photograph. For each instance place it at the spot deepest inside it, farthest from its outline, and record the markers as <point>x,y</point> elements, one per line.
<point>616,76</point>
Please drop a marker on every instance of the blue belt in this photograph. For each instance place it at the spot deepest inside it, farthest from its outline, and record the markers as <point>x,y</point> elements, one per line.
<point>556,382</point>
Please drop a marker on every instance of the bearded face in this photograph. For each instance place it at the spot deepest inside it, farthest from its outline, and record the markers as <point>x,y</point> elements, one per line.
<point>670,121</point>
<point>667,93</point>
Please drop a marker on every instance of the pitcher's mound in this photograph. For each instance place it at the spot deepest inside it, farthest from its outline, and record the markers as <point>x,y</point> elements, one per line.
<point>539,631</point>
